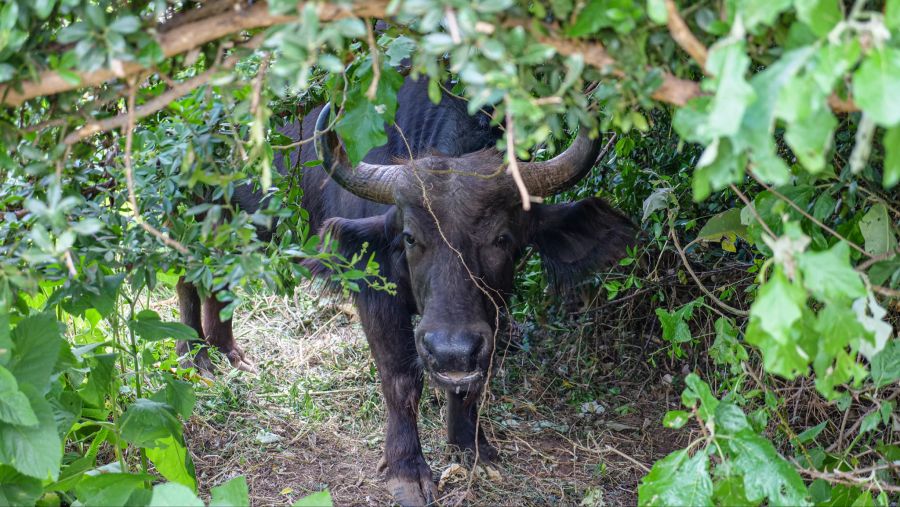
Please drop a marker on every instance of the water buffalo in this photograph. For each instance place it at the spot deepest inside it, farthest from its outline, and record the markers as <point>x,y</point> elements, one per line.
<point>446,224</point>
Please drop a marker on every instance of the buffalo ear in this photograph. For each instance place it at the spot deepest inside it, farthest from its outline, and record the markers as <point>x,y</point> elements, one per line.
<point>578,238</point>
<point>350,234</point>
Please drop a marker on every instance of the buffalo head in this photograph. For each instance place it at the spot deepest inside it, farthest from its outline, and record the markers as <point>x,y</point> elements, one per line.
<point>455,232</point>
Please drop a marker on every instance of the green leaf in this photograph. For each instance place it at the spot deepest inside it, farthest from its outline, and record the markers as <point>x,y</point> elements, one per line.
<point>674,328</point>
<point>125,24</point>
<point>886,365</point>
<point>146,421</point>
<point>180,395</point>
<point>778,305</point>
<point>718,167</point>
<point>810,138</point>
<point>233,493</point>
<point>35,451</point>
<point>875,83</point>
<point>761,12</point>
<point>776,327</point>
<point>726,349</point>
<point>100,380</point>
<point>726,222</point>
<point>829,275</point>
<point>18,489</point>
<point>110,489</point>
<point>149,327</point>
<point>876,229</point>
<point>676,419</point>
<point>36,344</point>
<point>728,63</point>
<point>14,406</point>
<point>9,14</point>
<point>766,474</point>
<point>698,390</point>
<point>892,14</point>
<point>100,295</point>
<point>42,8</point>
<point>891,145</point>
<point>656,11</point>
<point>819,15</point>
<point>677,479</point>
<point>320,499</point>
<point>171,459</point>
<point>174,495</point>
<point>810,434</point>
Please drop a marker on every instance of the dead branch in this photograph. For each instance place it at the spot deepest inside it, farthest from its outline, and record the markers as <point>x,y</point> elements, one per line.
<point>158,103</point>
<point>180,40</point>
<point>683,36</point>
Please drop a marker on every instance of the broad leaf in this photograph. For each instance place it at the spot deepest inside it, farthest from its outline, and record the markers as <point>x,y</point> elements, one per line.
<point>320,499</point>
<point>766,474</point>
<point>875,84</point>
<point>35,450</point>
<point>110,489</point>
<point>148,326</point>
<point>37,343</point>
<point>171,459</point>
<point>14,406</point>
<point>233,493</point>
<point>726,222</point>
<point>891,143</point>
<point>174,495</point>
<point>146,421</point>
<point>18,489</point>
<point>876,228</point>
<point>886,365</point>
<point>677,479</point>
<point>829,275</point>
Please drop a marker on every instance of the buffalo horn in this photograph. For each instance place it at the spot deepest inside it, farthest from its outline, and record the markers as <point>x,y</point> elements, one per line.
<point>561,172</point>
<point>373,182</point>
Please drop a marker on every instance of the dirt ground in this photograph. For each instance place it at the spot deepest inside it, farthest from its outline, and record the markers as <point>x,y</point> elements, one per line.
<point>576,417</point>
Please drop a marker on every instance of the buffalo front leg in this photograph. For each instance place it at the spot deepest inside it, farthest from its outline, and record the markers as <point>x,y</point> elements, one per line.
<point>190,309</point>
<point>390,336</point>
<point>463,429</point>
<point>219,334</point>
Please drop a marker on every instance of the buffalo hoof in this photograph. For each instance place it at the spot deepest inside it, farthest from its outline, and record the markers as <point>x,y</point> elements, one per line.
<point>239,360</point>
<point>466,454</point>
<point>415,489</point>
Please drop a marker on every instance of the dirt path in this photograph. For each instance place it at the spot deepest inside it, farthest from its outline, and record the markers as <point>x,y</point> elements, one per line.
<point>569,431</point>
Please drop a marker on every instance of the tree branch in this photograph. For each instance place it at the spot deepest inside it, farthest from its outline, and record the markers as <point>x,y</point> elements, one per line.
<point>683,36</point>
<point>177,91</point>
<point>181,39</point>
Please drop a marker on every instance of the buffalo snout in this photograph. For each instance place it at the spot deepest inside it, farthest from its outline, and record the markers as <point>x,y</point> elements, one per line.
<point>457,357</point>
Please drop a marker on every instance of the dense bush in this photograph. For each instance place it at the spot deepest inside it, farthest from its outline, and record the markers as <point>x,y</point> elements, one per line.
<point>759,135</point>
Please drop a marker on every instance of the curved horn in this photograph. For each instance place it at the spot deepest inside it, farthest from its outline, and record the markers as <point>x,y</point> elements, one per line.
<point>370,181</point>
<point>561,172</point>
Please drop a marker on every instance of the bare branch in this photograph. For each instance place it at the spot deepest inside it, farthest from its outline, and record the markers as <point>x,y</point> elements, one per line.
<point>158,103</point>
<point>683,36</point>
<point>513,168</point>
<point>180,40</point>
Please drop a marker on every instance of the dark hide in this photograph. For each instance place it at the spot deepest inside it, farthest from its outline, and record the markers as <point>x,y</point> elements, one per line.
<point>450,244</point>
<point>469,204</point>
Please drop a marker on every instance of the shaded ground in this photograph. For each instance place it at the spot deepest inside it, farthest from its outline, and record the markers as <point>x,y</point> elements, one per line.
<point>572,427</point>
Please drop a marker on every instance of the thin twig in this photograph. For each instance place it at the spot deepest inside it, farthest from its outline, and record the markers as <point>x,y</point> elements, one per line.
<point>803,212</point>
<point>752,208</point>
<point>683,36</point>
<point>372,92</point>
<point>129,174</point>
<point>513,168</point>
<point>721,304</point>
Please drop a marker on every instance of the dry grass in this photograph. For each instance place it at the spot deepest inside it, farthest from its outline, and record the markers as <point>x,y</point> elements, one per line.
<point>570,430</point>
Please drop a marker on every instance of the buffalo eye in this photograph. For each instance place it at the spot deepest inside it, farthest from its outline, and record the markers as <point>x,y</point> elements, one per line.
<point>408,239</point>
<point>502,240</point>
